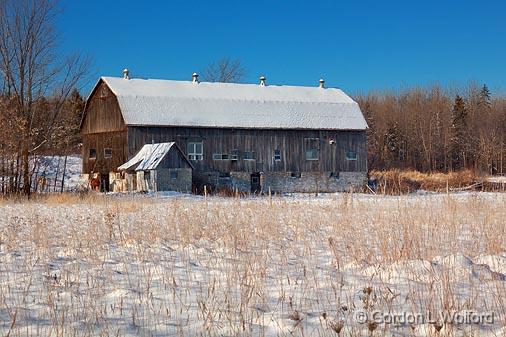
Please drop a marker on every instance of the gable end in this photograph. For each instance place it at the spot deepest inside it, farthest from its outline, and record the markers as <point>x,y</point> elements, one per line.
<point>102,112</point>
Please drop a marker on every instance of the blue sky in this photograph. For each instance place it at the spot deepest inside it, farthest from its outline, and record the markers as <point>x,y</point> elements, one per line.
<point>355,45</point>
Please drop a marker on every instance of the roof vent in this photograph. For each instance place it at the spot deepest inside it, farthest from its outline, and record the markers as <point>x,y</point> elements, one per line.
<point>262,81</point>
<point>322,83</point>
<point>195,78</point>
<point>126,73</point>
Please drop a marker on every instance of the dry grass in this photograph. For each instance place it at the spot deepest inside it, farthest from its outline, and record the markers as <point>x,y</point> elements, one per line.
<point>402,182</point>
<point>73,266</point>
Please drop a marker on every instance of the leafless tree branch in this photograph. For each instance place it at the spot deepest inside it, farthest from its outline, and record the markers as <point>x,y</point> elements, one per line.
<point>224,70</point>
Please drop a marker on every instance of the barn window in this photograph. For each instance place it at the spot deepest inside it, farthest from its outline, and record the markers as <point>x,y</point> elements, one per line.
<point>351,155</point>
<point>107,152</point>
<point>195,151</point>
<point>220,156</point>
<point>173,175</point>
<point>93,154</point>
<point>234,155</point>
<point>312,148</point>
<point>249,155</point>
<point>312,154</point>
<point>277,155</point>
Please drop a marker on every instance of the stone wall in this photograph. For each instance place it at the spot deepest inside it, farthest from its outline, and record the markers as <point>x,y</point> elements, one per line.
<point>181,182</point>
<point>241,181</point>
<point>287,182</point>
<point>213,180</point>
<point>311,182</point>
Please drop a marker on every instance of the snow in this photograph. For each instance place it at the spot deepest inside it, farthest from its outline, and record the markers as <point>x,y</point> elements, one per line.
<point>154,265</point>
<point>183,103</point>
<point>495,262</point>
<point>51,167</point>
<point>48,173</point>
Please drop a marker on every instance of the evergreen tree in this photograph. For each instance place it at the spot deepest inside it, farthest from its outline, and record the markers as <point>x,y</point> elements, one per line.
<point>75,113</point>
<point>67,135</point>
<point>485,101</point>
<point>393,145</point>
<point>392,139</point>
<point>459,133</point>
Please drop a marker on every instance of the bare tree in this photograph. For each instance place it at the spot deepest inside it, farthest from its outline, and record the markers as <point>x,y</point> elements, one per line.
<point>34,77</point>
<point>224,70</point>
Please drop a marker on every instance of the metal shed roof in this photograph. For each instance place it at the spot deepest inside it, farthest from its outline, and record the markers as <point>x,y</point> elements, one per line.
<point>149,157</point>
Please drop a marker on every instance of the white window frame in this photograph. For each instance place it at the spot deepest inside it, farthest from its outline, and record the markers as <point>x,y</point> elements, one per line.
<point>350,157</point>
<point>234,155</point>
<point>193,154</point>
<point>107,156</point>
<point>277,155</point>
<point>312,150</point>
<point>221,156</point>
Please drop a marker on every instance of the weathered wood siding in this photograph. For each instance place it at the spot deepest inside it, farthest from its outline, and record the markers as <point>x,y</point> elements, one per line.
<point>102,112</point>
<point>100,141</point>
<point>174,159</point>
<point>103,127</point>
<point>291,143</point>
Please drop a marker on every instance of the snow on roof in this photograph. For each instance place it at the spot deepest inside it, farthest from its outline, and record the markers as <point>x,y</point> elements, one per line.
<point>148,157</point>
<point>183,103</point>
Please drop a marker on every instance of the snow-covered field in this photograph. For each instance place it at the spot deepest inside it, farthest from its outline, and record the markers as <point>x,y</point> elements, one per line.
<point>337,265</point>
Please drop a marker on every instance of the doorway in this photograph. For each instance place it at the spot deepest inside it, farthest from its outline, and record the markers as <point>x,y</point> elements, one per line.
<point>255,183</point>
<point>104,182</point>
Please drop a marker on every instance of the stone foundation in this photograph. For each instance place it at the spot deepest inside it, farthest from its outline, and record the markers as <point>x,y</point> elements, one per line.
<point>241,181</point>
<point>312,182</point>
<point>285,182</point>
<point>174,179</point>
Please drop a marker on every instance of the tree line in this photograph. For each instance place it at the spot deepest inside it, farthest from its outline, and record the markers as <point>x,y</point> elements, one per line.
<point>436,130</point>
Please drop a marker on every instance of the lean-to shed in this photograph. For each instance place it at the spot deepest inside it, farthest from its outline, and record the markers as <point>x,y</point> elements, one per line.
<point>157,167</point>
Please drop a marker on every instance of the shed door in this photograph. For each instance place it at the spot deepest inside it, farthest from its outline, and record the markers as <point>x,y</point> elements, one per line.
<point>255,183</point>
<point>104,183</point>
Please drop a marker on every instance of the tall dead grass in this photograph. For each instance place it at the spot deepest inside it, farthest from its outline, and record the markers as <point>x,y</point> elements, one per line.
<point>75,266</point>
<point>397,182</point>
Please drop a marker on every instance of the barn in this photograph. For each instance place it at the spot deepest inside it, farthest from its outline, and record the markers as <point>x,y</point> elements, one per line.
<point>250,137</point>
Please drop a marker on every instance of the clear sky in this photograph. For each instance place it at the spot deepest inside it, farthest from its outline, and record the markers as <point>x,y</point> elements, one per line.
<point>355,45</point>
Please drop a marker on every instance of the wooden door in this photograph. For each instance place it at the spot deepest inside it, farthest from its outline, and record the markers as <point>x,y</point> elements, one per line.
<point>255,183</point>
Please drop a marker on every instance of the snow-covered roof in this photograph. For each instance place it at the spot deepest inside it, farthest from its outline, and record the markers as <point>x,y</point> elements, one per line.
<point>230,105</point>
<point>148,157</point>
